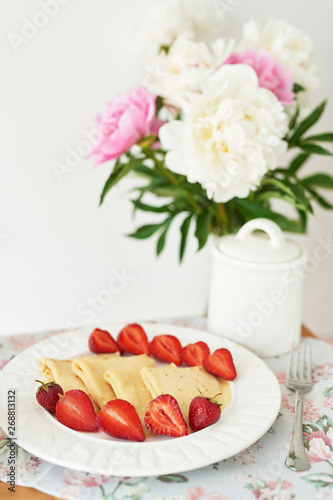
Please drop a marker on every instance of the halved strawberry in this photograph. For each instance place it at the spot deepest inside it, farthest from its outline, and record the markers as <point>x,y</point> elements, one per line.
<point>75,410</point>
<point>220,363</point>
<point>164,417</point>
<point>101,341</point>
<point>166,348</point>
<point>133,339</point>
<point>120,420</point>
<point>194,354</point>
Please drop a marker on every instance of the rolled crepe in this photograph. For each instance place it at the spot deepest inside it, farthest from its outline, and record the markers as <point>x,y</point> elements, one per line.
<point>60,371</point>
<point>91,370</point>
<point>128,385</point>
<point>184,384</point>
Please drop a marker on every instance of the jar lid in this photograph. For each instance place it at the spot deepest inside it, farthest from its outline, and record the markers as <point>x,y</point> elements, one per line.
<point>271,247</point>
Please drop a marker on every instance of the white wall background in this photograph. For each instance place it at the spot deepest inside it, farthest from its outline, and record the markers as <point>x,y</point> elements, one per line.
<point>58,250</point>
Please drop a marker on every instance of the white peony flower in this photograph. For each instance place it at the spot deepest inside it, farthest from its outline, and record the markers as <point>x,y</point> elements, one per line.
<point>288,45</point>
<point>180,72</point>
<point>231,134</point>
<point>168,19</point>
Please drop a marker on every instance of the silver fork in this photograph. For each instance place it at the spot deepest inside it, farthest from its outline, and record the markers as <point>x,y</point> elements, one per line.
<point>299,380</point>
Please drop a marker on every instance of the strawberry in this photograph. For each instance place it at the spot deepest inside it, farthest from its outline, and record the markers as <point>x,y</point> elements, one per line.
<point>133,339</point>
<point>47,395</point>
<point>166,348</point>
<point>120,420</point>
<point>101,341</point>
<point>203,412</point>
<point>220,363</point>
<point>164,417</point>
<point>194,354</point>
<point>75,410</point>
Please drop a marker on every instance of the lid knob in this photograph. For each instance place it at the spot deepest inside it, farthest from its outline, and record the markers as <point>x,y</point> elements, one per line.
<point>276,237</point>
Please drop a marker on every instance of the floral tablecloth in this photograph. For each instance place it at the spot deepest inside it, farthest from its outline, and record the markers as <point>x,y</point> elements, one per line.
<point>256,473</point>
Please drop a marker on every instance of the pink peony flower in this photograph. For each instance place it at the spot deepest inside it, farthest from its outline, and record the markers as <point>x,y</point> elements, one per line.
<point>197,493</point>
<point>76,478</point>
<point>271,74</point>
<point>130,117</point>
<point>319,446</point>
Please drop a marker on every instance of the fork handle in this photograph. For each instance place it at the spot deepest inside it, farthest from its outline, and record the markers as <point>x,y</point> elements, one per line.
<point>297,459</point>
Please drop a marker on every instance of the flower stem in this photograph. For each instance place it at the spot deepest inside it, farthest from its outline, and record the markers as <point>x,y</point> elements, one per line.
<point>221,216</point>
<point>102,490</point>
<point>160,165</point>
<point>167,173</point>
<point>330,463</point>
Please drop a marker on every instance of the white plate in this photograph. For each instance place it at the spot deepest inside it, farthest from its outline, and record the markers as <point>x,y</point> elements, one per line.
<point>255,403</point>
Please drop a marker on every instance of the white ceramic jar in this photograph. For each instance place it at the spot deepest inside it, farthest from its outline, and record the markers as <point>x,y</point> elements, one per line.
<point>256,288</point>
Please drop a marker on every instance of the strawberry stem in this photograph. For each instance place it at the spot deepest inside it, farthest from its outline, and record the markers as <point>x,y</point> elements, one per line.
<point>43,386</point>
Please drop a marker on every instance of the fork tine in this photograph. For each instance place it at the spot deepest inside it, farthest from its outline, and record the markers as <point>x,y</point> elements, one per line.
<point>302,360</point>
<point>295,371</point>
<point>290,363</point>
<point>308,363</point>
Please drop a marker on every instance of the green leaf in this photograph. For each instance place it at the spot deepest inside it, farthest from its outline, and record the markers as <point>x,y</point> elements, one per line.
<point>297,162</point>
<point>119,171</point>
<point>172,478</point>
<point>281,185</point>
<point>320,479</point>
<point>158,103</point>
<point>293,120</point>
<point>326,137</point>
<point>319,199</point>
<point>267,195</point>
<point>287,191</point>
<point>307,123</point>
<point>328,391</point>
<point>325,423</point>
<point>314,149</point>
<point>300,194</point>
<point>319,180</point>
<point>184,232</point>
<point>146,231</point>
<point>203,228</point>
<point>303,220</point>
<point>149,208</point>
<point>161,240</point>
<point>309,428</point>
<point>252,210</point>
<point>145,171</point>
<point>298,88</point>
<point>153,186</point>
